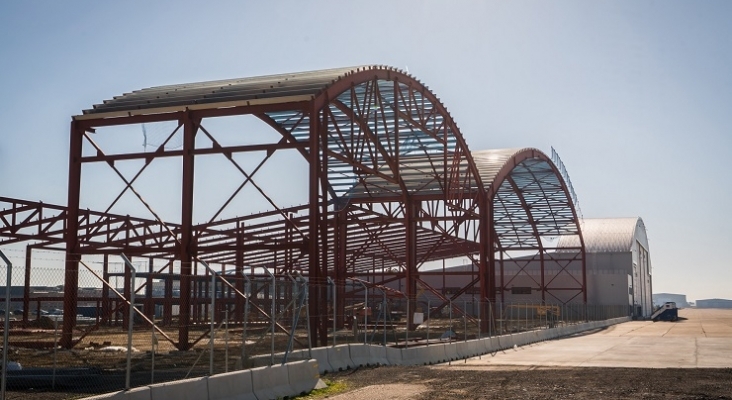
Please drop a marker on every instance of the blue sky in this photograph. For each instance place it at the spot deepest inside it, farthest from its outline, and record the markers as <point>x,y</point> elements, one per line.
<point>635,96</point>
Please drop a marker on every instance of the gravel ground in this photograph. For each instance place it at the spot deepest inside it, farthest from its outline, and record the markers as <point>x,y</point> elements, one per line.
<point>533,383</point>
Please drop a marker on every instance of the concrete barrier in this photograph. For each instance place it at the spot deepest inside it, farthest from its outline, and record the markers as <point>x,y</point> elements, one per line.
<point>490,345</point>
<point>449,352</point>
<point>414,356</point>
<point>504,342</point>
<point>394,356</point>
<point>320,354</point>
<point>461,348</point>
<point>140,393</point>
<point>520,339</point>
<point>474,348</point>
<point>187,389</point>
<point>235,385</point>
<point>339,357</point>
<point>270,382</point>
<point>302,376</point>
<point>360,354</point>
<point>378,355</point>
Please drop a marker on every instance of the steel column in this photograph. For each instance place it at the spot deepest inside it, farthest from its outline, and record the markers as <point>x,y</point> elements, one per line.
<point>314,218</point>
<point>186,253</point>
<point>411,209</point>
<point>71,275</point>
<point>26,284</point>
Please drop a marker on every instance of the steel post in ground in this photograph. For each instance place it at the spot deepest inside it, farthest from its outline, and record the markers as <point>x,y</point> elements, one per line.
<point>272,311</point>
<point>226,339</point>
<point>465,318</point>
<point>55,351</point>
<point>406,333</point>
<point>213,322</point>
<point>247,291</point>
<point>306,285</point>
<point>6,322</point>
<point>212,327</point>
<point>429,321</point>
<point>331,282</point>
<point>153,345</point>
<point>131,318</point>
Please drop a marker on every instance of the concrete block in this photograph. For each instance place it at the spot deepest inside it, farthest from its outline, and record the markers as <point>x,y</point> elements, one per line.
<point>445,352</point>
<point>235,385</point>
<point>378,355</point>
<point>461,348</point>
<point>394,356</point>
<point>414,356</point>
<point>339,357</point>
<point>186,389</point>
<point>320,354</point>
<point>360,354</point>
<point>302,376</point>
<point>474,348</point>
<point>271,382</point>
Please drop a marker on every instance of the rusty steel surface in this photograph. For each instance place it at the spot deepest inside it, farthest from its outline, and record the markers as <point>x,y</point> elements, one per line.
<point>392,187</point>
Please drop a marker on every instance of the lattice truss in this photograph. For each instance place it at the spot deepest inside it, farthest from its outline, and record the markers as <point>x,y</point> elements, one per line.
<point>531,211</point>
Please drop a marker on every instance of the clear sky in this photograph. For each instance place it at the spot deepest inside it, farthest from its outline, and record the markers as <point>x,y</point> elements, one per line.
<point>635,96</point>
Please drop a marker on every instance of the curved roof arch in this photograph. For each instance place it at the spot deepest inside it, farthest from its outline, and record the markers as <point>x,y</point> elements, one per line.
<point>386,133</point>
<point>530,198</point>
<point>610,235</point>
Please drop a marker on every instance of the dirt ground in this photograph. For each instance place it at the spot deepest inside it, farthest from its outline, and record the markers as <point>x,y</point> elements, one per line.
<point>532,383</point>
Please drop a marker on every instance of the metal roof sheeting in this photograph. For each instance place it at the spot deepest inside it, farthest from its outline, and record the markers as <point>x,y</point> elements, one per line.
<point>607,235</point>
<point>295,85</point>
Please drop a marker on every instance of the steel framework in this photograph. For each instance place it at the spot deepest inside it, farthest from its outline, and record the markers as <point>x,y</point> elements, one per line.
<point>392,186</point>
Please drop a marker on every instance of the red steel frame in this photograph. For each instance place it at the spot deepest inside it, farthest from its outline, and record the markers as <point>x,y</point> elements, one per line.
<point>442,210</point>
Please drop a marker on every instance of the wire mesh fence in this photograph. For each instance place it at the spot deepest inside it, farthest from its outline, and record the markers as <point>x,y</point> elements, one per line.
<point>130,327</point>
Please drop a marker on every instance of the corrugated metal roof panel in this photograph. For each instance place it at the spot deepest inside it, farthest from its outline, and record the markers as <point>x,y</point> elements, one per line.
<point>307,83</point>
<point>605,235</point>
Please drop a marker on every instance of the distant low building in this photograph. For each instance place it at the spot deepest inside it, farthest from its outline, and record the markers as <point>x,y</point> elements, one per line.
<point>679,299</point>
<point>714,303</point>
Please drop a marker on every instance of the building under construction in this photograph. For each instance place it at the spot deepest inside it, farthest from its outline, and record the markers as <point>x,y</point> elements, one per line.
<point>391,193</point>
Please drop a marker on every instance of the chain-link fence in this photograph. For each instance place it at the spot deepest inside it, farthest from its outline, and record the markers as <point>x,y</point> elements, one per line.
<point>236,319</point>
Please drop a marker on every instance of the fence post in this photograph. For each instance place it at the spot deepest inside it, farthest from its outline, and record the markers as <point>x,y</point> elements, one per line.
<point>131,318</point>
<point>213,320</point>
<point>331,282</point>
<point>247,291</point>
<point>465,318</point>
<point>429,321</point>
<point>6,323</point>
<point>153,344</point>
<point>226,339</point>
<point>55,350</point>
<point>272,311</point>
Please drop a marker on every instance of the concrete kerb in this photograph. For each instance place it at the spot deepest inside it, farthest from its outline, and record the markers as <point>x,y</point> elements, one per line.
<point>271,382</point>
<point>339,357</point>
<point>187,389</point>
<point>303,376</point>
<point>235,385</point>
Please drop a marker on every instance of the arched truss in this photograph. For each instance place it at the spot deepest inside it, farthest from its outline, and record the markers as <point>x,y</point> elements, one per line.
<point>392,187</point>
<point>532,210</point>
